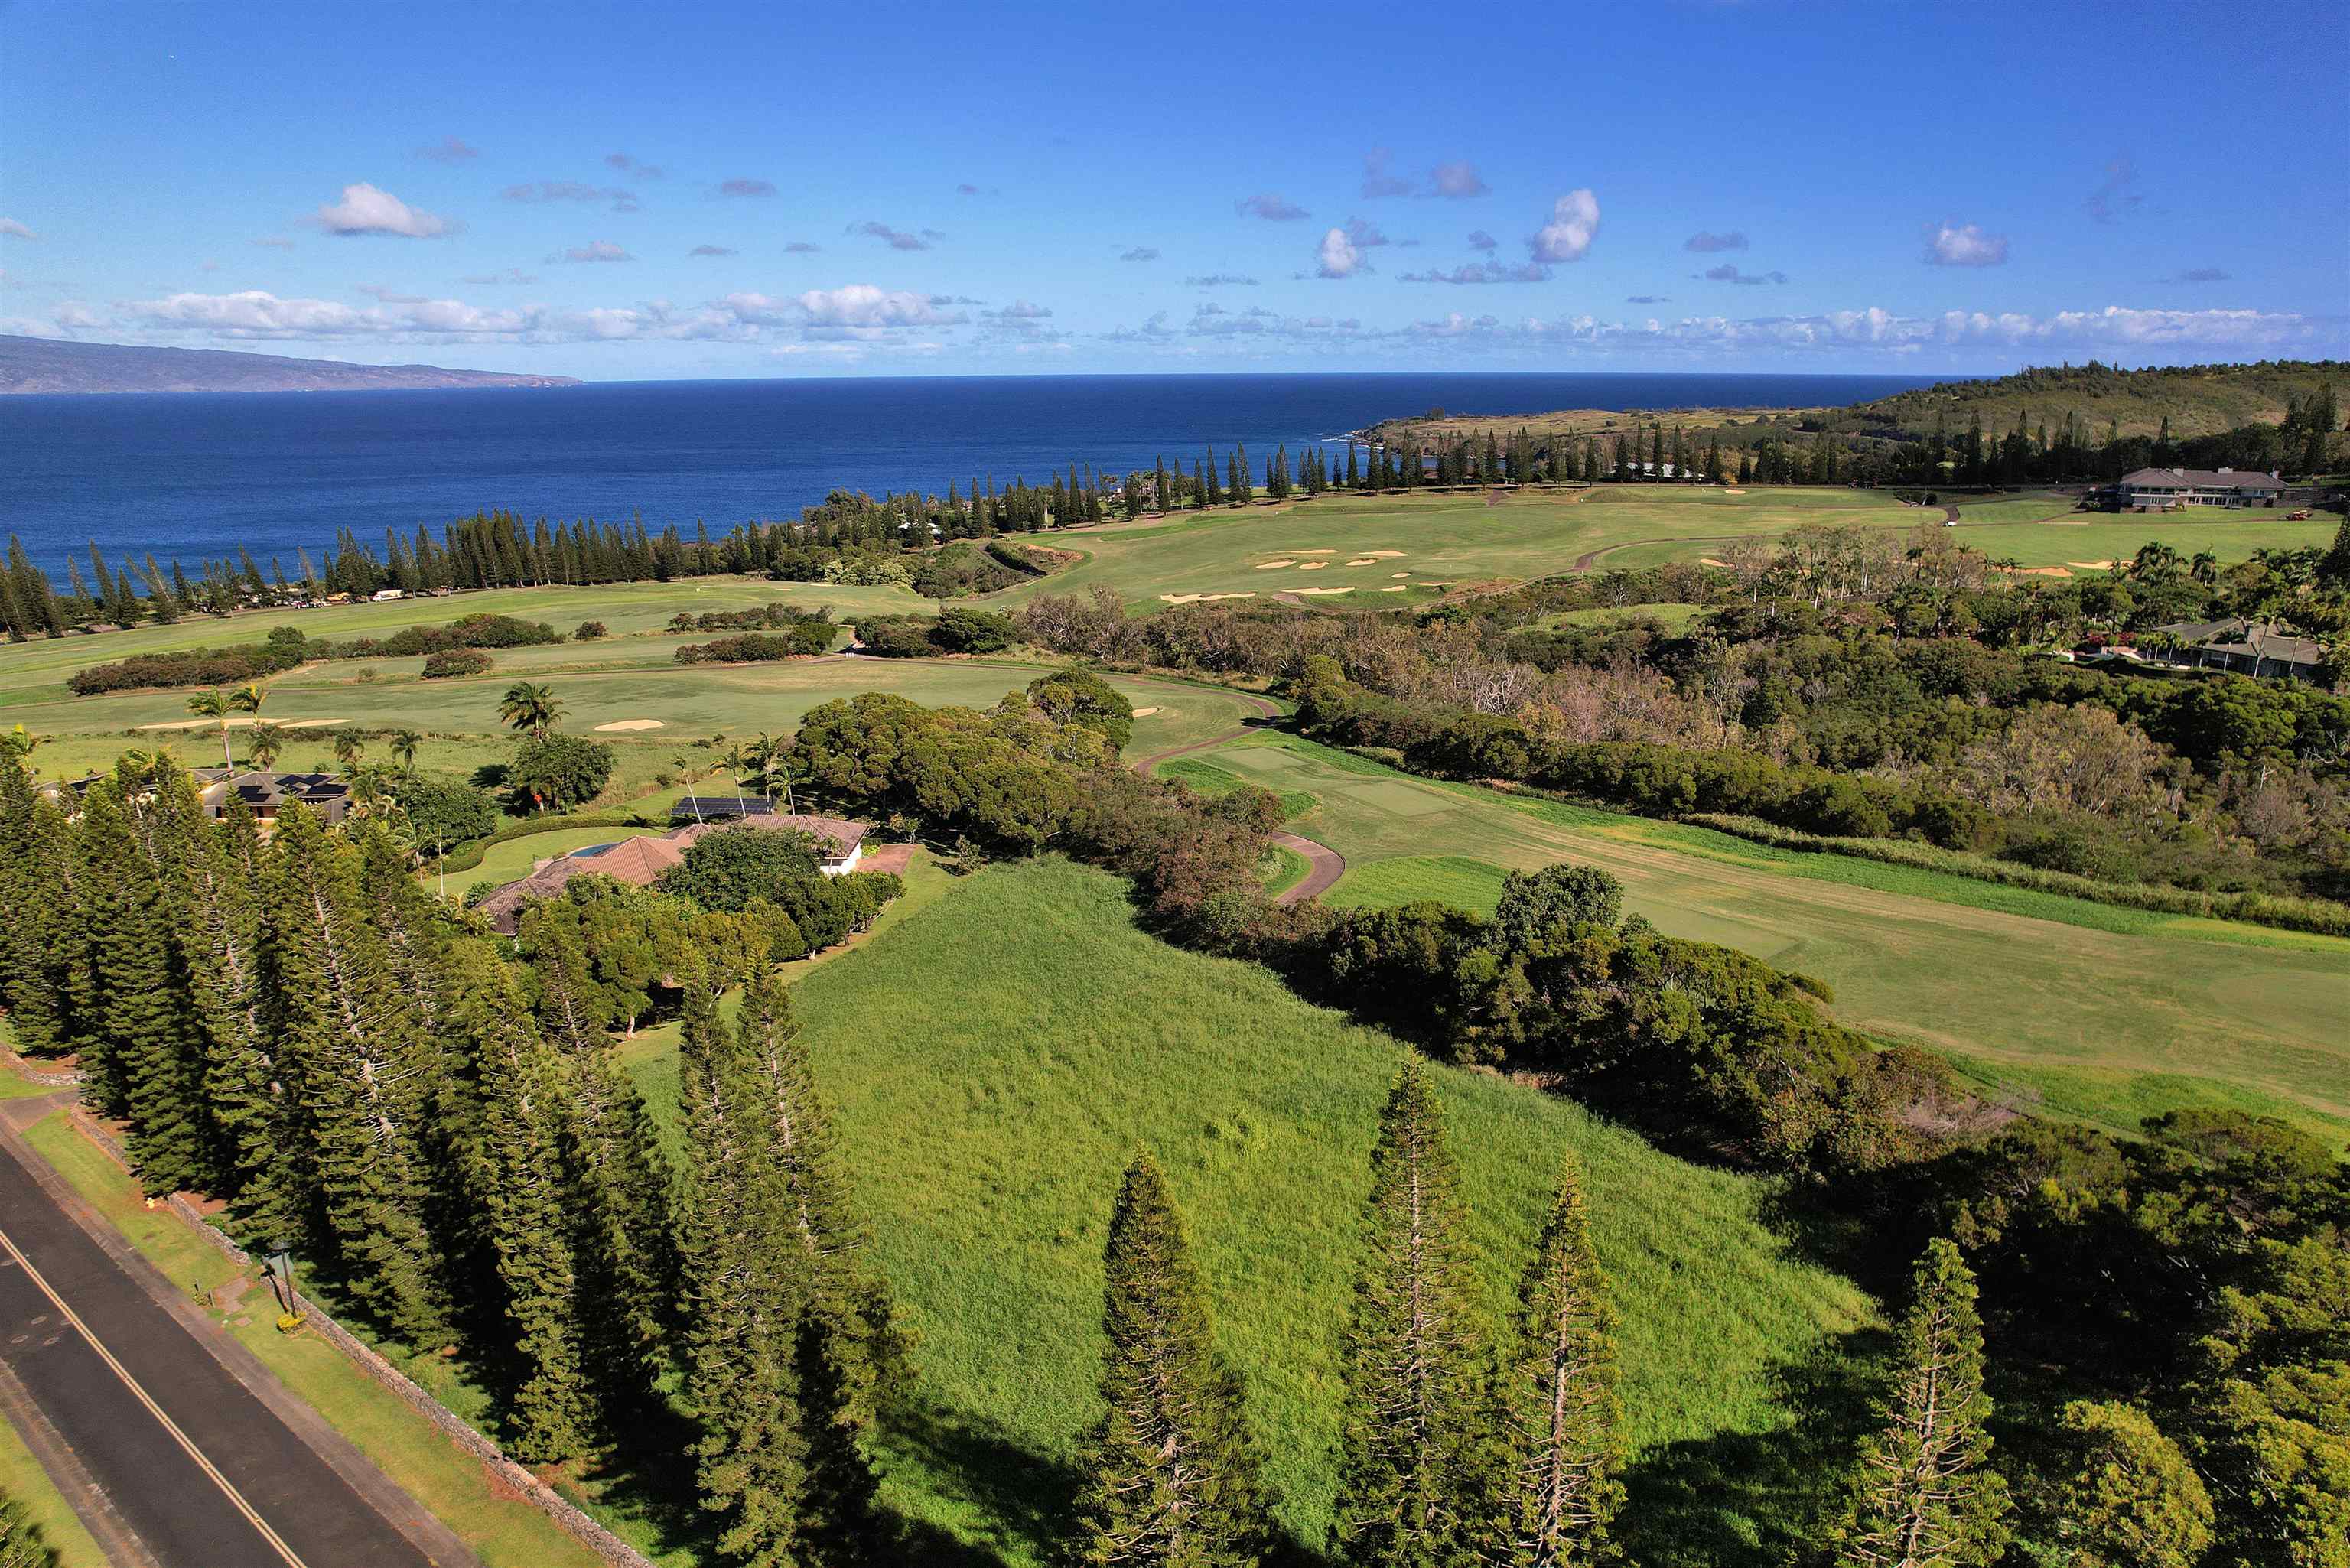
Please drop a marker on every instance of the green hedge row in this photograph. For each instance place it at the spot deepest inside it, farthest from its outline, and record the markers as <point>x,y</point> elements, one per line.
<point>2317,915</point>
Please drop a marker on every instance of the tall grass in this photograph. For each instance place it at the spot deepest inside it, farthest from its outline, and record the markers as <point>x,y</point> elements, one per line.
<point>997,1058</point>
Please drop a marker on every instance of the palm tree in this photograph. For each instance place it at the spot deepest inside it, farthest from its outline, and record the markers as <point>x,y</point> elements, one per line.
<point>215,705</point>
<point>766,753</point>
<point>529,707</point>
<point>348,748</point>
<point>2204,568</point>
<point>739,759</point>
<point>17,745</point>
<point>692,773</point>
<point>248,698</point>
<point>403,749</point>
<point>266,743</point>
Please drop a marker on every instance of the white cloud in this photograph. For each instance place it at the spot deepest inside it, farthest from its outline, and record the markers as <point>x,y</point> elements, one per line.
<point>627,165</point>
<point>1339,255</point>
<point>1950,244</point>
<point>448,150</point>
<point>1219,280</point>
<point>366,210</point>
<point>1265,204</point>
<point>1574,223</point>
<point>896,239</point>
<point>593,250</point>
<point>15,230</point>
<point>1706,241</point>
<point>1139,253</point>
<point>1483,272</point>
<point>711,251</point>
<point>1376,181</point>
<point>1479,240</point>
<point>1458,180</point>
<point>1728,273</point>
<point>747,188</point>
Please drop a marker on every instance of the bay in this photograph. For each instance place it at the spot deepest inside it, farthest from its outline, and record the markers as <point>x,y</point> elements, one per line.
<point>191,476</point>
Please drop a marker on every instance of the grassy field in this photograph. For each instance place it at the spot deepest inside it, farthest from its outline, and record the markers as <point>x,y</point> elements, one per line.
<point>986,1140</point>
<point>502,1529</point>
<point>23,1478</point>
<point>28,669</point>
<point>2065,539</point>
<point>460,717</point>
<point>2008,977</point>
<point>1333,542</point>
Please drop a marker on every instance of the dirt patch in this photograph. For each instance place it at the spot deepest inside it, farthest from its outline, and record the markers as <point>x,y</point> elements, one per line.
<point>1144,712</point>
<point>892,858</point>
<point>1311,566</point>
<point>1272,566</point>
<point>628,724</point>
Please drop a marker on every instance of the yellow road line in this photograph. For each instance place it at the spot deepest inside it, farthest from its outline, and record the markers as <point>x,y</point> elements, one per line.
<point>187,1443</point>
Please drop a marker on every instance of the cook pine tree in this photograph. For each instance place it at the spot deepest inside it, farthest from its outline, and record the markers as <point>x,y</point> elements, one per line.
<point>1414,1433</point>
<point>1173,1474</point>
<point>1924,1494</point>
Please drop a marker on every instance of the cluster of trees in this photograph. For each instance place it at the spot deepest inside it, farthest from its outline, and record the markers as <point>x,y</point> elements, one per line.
<point>775,615</point>
<point>954,631</point>
<point>1461,1441</point>
<point>292,1024</point>
<point>807,637</point>
<point>771,879</point>
<point>285,647</point>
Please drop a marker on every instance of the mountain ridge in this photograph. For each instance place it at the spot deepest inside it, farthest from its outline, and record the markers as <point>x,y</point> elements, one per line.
<point>47,365</point>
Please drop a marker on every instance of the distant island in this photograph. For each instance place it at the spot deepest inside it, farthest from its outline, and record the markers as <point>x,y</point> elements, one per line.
<point>52,365</point>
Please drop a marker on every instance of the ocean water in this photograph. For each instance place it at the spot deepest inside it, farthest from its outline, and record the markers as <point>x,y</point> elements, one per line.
<point>193,475</point>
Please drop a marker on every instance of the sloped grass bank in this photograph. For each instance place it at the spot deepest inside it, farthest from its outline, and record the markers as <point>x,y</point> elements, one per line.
<point>997,1058</point>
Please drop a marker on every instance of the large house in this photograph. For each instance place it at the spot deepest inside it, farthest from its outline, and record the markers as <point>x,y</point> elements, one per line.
<point>840,845</point>
<point>265,793</point>
<point>2172,488</point>
<point>2241,646</point>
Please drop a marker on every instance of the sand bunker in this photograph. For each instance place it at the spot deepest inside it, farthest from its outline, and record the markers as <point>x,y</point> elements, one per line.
<point>1398,574</point>
<point>1384,555</point>
<point>1710,561</point>
<point>1395,587</point>
<point>628,724</point>
<point>1326,590</point>
<point>245,721</point>
<point>2091,565</point>
<point>1311,566</point>
<point>1144,712</point>
<point>1200,598</point>
<point>1363,561</point>
<point>2039,571</point>
<point>191,724</point>
<point>1269,565</point>
<point>1213,597</point>
<point>1731,490</point>
<point>312,724</point>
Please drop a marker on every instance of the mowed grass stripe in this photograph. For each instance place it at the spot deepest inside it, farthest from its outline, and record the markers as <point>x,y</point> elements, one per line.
<point>999,1057</point>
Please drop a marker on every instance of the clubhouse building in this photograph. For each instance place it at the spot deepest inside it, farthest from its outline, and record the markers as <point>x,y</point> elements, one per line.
<point>2175,489</point>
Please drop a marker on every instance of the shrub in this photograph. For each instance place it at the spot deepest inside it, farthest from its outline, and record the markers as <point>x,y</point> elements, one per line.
<point>455,661</point>
<point>589,630</point>
<point>195,666</point>
<point>896,637</point>
<point>483,630</point>
<point>974,631</point>
<point>558,772</point>
<point>960,570</point>
<point>479,891</point>
<point>1080,697</point>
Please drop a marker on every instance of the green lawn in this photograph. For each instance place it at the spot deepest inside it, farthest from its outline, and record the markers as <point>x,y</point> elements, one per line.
<point>502,1529</point>
<point>987,1138</point>
<point>2020,979</point>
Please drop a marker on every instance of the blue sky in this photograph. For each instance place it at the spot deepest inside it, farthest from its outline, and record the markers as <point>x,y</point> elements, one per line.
<point>761,191</point>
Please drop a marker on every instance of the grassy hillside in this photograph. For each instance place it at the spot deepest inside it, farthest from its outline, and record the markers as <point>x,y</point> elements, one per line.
<point>2198,400</point>
<point>986,1137</point>
<point>2090,1009</point>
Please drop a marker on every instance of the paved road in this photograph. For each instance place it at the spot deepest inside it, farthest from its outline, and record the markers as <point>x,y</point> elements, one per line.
<point>170,1459</point>
<point>1328,865</point>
